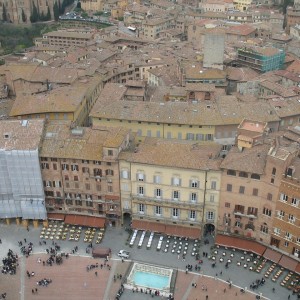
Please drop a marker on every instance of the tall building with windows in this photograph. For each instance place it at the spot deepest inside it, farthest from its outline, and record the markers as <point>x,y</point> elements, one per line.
<point>171,187</point>
<point>285,232</point>
<point>251,176</point>
<point>21,186</point>
<point>262,59</point>
<point>81,174</point>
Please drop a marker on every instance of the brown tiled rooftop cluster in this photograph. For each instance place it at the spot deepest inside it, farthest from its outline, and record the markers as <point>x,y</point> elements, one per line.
<point>179,154</point>
<point>21,134</point>
<point>80,143</point>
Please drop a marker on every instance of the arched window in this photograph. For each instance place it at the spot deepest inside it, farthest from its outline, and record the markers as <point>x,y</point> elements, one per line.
<point>264,228</point>
<point>267,212</point>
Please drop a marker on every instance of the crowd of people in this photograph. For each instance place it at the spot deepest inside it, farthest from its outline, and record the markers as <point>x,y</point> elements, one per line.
<point>44,282</point>
<point>10,263</point>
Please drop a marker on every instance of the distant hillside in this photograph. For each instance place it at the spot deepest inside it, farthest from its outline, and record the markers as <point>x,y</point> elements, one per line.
<point>14,38</point>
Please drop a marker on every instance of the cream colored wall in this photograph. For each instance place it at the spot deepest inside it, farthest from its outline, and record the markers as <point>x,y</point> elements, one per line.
<point>239,4</point>
<point>166,202</point>
<point>50,116</point>
<point>125,187</point>
<point>92,5</point>
<point>167,189</point>
<point>151,129</point>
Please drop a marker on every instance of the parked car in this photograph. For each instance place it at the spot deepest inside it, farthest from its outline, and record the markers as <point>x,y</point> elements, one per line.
<point>123,254</point>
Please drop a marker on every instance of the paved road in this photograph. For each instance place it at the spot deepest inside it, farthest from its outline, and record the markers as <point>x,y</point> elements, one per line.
<point>116,238</point>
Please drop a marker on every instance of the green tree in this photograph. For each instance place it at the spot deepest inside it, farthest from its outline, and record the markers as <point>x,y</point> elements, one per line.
<point>285,4</point>
<point>48,17</point>
<point>85,15</point>
<point>34,14</point>
<point>4,15</point>
<point>56,11</point>
<point>24,18</point>
<point>60,8</point>
<point>42,17</point>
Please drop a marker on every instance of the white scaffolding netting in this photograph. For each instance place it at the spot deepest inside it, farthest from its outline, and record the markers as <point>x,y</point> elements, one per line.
<point>21,185</point>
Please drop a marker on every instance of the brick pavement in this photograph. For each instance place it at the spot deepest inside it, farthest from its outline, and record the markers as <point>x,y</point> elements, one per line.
<point>215,289</point>
<point>70,280</point>
<point>115,238</point>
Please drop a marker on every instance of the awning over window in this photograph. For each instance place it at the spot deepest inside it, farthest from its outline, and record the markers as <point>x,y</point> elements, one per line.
<point>58,217</point>
<point>288,263</point>
<point>175,230</point>
<point>151,226</point>
<point>242,244</point>
<point>272,255</point>
<point>183,231</point>
<point>87,221</point>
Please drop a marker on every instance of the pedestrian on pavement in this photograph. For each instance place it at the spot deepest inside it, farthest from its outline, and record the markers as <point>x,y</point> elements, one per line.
<point>96,273</point>
<point>0,241</point>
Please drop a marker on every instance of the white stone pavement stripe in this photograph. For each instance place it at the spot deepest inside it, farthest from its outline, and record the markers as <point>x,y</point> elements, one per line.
<point>187,292</point>
<point>22,278</point>
<point>110,280</point>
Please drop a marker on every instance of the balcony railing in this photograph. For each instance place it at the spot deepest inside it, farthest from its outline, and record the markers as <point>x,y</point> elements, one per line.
<point>244,214</point>
<point>168,201</point>
<point>167,220</point>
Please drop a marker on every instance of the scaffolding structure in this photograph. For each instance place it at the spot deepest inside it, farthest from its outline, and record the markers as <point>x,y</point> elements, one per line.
<point>260,60</point>
<point>21,185</point>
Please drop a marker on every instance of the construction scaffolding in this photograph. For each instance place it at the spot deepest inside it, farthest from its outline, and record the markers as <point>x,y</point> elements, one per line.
<point>21,185</point>
<point>261,59</point>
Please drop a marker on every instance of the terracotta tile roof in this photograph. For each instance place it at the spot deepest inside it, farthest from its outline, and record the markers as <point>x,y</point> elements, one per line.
<point>287,107</point>
<point>288,75</point>
<point>241,74</point>
<point>69,34</point>
<point>87,143</point>
<point>34,73</point>
<point>21,134</point>
<point>60,99</point>
<point>278,89</point>
<point>294,67</point>
<point>250,160</point>
<point>200,87</point>
<point>177,154</point>
<point>226,109</point>
<point>242,29</point>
